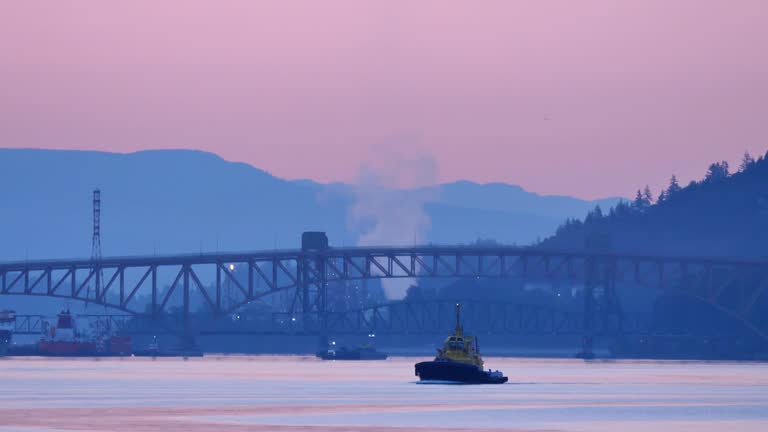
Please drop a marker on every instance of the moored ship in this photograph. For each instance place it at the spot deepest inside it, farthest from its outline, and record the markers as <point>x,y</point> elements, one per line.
<point>361,353</point>
<point>63,339</point>
<point>458,361</point>
<point>153,350</point>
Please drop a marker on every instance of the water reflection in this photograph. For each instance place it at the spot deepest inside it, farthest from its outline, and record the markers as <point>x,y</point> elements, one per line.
<point>226,393</point>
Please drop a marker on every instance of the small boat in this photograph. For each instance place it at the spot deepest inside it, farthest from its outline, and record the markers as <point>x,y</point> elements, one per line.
<point>153,350</point>
<point>7,326</point>
<point>458,362</point>
<point>361,353</point>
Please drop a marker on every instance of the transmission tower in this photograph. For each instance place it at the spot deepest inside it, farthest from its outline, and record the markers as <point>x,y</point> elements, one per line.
<point>96,245</point>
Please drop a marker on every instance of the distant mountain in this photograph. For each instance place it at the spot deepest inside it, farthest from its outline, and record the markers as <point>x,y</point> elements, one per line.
<point>181,201</point>
<point>511,198</point>
<point>723,215</point>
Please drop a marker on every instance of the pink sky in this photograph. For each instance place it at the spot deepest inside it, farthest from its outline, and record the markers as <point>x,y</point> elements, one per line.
<point>589,98</point>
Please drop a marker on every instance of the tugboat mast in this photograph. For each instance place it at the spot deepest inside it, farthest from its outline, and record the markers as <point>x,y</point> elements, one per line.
<point>458,319</point>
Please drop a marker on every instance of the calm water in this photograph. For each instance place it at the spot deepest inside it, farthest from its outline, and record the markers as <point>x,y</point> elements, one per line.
<point>261,393</point>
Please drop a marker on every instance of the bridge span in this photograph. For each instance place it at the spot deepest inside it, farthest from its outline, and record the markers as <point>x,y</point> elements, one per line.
<point>131,284</point>
<point>401,318</point>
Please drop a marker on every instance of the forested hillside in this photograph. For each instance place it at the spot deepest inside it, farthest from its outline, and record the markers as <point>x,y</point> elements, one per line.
<point>724,214</point>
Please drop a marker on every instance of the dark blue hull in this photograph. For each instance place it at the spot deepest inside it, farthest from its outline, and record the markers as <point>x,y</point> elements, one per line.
<point>179,353</point>
<point>445,371</point>
<point>351,355</point>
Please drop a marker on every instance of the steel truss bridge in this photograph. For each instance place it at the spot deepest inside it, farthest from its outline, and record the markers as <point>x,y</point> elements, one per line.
<point>130,285</point>
<point>393,318</point>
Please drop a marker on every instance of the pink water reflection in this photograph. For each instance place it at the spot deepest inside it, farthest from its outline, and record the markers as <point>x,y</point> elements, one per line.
<point>225,393</point>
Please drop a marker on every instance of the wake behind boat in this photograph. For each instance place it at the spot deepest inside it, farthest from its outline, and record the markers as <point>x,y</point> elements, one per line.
<point>458,361</point>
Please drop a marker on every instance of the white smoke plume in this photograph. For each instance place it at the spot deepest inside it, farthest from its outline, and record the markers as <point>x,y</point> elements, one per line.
<point>390,196</point>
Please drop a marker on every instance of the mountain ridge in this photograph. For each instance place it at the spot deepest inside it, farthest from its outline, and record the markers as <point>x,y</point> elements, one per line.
<point>187,201</point>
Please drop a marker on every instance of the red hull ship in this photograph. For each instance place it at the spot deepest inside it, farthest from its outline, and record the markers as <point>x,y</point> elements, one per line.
<point>65,340</point>
<point>66,348</point>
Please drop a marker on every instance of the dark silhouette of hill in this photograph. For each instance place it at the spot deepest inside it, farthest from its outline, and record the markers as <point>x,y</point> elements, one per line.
<point>181,201</point>
<point>723,215</point>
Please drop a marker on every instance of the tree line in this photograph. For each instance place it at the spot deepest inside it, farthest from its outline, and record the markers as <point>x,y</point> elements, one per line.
<point>644,201</point>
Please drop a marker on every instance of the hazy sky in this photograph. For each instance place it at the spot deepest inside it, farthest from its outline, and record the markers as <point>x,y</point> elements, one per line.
<point>589,98</point>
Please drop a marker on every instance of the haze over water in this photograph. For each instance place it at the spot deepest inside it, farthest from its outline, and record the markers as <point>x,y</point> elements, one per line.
<point>236,393</point>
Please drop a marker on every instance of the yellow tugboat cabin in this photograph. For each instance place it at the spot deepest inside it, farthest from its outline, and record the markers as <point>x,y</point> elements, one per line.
<point>459,347</point>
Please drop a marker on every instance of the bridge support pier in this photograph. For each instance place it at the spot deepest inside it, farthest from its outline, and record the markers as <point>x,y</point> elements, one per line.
<point>187,337</point>
<point>311,293</point>
<point>588,336</point>
<point>602,310</point>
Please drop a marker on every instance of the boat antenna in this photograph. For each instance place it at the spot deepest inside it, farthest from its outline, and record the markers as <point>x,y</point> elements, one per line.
<point>458,319</point>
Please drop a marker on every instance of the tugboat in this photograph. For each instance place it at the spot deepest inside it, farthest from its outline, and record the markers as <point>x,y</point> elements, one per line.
<point>458,361</point>
<point>7,324</point>
<point>64,340</point>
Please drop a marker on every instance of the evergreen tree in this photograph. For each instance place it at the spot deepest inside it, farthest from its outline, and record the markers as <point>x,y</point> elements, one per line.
<point>717,171</point>
<point>594,216</point>
<point>637,204</point>
<point>746,162</point>
<point>674,187</point>
<point>622,209</point>
<point>647,197</point>
<point>662,196</point>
